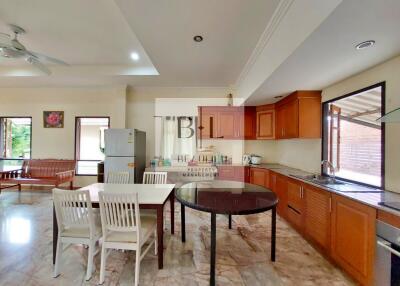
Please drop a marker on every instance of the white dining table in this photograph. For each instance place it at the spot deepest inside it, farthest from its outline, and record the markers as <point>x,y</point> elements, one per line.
<point>151,196</point>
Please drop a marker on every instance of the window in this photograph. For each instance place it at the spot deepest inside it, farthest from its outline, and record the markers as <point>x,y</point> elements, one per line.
<point>15,140</point>
<point>353,140</point>
<point>178,136</point>
<point>89,143</point>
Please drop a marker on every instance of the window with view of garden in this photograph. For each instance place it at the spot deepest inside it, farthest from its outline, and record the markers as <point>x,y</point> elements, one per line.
<point>15,139</point>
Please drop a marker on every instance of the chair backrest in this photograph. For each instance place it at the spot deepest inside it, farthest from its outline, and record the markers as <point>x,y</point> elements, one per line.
<point>117,178</point>
<point>41,168</point>
<point>119,212</point>
<point>73,209</point>
<point>155,177</point>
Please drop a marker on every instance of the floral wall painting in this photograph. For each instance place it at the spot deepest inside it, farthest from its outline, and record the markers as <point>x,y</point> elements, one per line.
<point>53,119</point>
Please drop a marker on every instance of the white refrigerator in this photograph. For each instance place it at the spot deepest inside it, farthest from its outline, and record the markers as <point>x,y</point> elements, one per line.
<point>125,151</point>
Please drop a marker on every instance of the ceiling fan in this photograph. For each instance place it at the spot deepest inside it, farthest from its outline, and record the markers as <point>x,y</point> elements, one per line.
<point>10,47</point>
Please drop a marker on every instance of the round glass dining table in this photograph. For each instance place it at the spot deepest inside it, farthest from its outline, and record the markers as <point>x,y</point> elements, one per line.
<point>229,198</point>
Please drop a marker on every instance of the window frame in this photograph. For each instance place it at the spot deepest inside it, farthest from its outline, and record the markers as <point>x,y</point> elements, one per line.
<point>77,118</point>
<point>325,130</point>
<point>30,139</point>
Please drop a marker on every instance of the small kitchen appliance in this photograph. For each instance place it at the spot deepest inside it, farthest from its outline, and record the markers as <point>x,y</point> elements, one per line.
<point>255,159</point>
<point>246,160</point>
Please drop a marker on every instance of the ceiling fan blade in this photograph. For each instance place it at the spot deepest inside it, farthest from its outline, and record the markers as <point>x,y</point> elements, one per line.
<point>37,64</point>
<point>5,37</point>
<point>5,41</point>
<point>10,52</point>
<point>47,58</point>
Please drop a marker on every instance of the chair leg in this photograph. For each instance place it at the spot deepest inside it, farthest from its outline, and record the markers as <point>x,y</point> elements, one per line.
<point>102,264</point>
<point>58,257</point>
<point>137,266</point>
<point>19,188</point>
<point>89,269</point>
<point>155,242</point>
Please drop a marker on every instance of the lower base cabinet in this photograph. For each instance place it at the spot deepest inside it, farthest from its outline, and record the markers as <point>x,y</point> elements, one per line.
<point>317,216</point>
<point>353,237</point>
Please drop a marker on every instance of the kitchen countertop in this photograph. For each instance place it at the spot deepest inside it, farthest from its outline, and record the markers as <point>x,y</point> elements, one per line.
<point>366,195</point>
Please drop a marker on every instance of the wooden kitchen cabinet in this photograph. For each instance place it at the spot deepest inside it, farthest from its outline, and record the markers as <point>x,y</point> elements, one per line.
<point>299,115</point>
<point>247,122</point>
<point>233,173</point>
<point>228,125</point>
<point>207,123</point>
<point>257,176</point>
<point>265,122</point>
<point>281,191</point>
<point>317,216</point>
<point>295,203</point>
<point>227,122</point>
<point>353,237</point>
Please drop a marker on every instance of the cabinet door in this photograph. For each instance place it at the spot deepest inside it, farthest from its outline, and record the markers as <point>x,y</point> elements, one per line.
<point>291,123</point>
<point>228,125</point>
<point>226,173</point>
<point>295,196</point>
<point>281,192</point>
<point>247,123</point>
<point>266,124</point>
<point>241,174</point>
<point>257,176</point>
<point>353,237</point>
<point>295,203</point>
<point>272,181</point>
<point>208,124</point>
<point>280,122</point>
<point>317,215</point>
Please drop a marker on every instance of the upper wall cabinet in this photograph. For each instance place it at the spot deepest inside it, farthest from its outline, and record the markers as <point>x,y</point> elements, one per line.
<point>299,115</point>
<point>265,117</point>
<point>227,122</point>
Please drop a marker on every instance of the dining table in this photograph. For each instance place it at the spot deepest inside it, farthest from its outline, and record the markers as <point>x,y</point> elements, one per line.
<point>228,198</point>
<point>151,196</point>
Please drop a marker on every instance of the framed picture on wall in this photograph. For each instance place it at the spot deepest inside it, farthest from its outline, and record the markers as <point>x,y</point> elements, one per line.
<point>53,119</point>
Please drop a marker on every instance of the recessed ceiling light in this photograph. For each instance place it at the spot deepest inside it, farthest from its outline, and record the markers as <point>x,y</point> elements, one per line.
<point>365,45</point>
<point>198,38</point>
<point>135,56</point>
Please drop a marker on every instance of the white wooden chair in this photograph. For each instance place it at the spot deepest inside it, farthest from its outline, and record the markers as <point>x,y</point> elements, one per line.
<point>124,228</point>
<point>77,224</point>
<point>155,177</point>
<point>117,178</point>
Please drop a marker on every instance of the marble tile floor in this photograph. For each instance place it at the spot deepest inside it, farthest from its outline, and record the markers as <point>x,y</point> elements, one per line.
<point>242,253</point>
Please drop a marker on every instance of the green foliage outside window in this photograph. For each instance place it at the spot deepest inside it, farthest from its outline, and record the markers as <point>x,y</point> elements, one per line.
<point>21,140</point>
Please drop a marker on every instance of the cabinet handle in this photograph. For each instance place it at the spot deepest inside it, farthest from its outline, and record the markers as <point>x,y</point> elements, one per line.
<point>330,204</point>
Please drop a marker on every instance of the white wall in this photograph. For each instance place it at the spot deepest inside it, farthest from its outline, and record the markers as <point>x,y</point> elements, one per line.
<point>59,143</point>
<point>267,149</point>
<point>141,107</point>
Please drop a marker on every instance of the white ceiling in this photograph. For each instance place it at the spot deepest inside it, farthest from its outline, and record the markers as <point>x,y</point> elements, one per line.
<point>99,33</point>
<point>328,55</point>
<point>90,32</point>
<point>97,36</point>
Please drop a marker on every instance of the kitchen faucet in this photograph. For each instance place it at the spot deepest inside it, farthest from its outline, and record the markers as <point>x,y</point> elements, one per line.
<point>330,165</point>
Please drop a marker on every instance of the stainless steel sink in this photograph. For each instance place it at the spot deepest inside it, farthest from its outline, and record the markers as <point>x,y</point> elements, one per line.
<point>320,180</point>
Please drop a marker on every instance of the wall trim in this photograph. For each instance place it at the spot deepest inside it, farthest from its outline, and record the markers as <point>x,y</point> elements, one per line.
<point>273,24</point>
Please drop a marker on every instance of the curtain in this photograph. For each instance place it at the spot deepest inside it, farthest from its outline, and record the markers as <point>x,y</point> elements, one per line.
<point>171,144</point>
